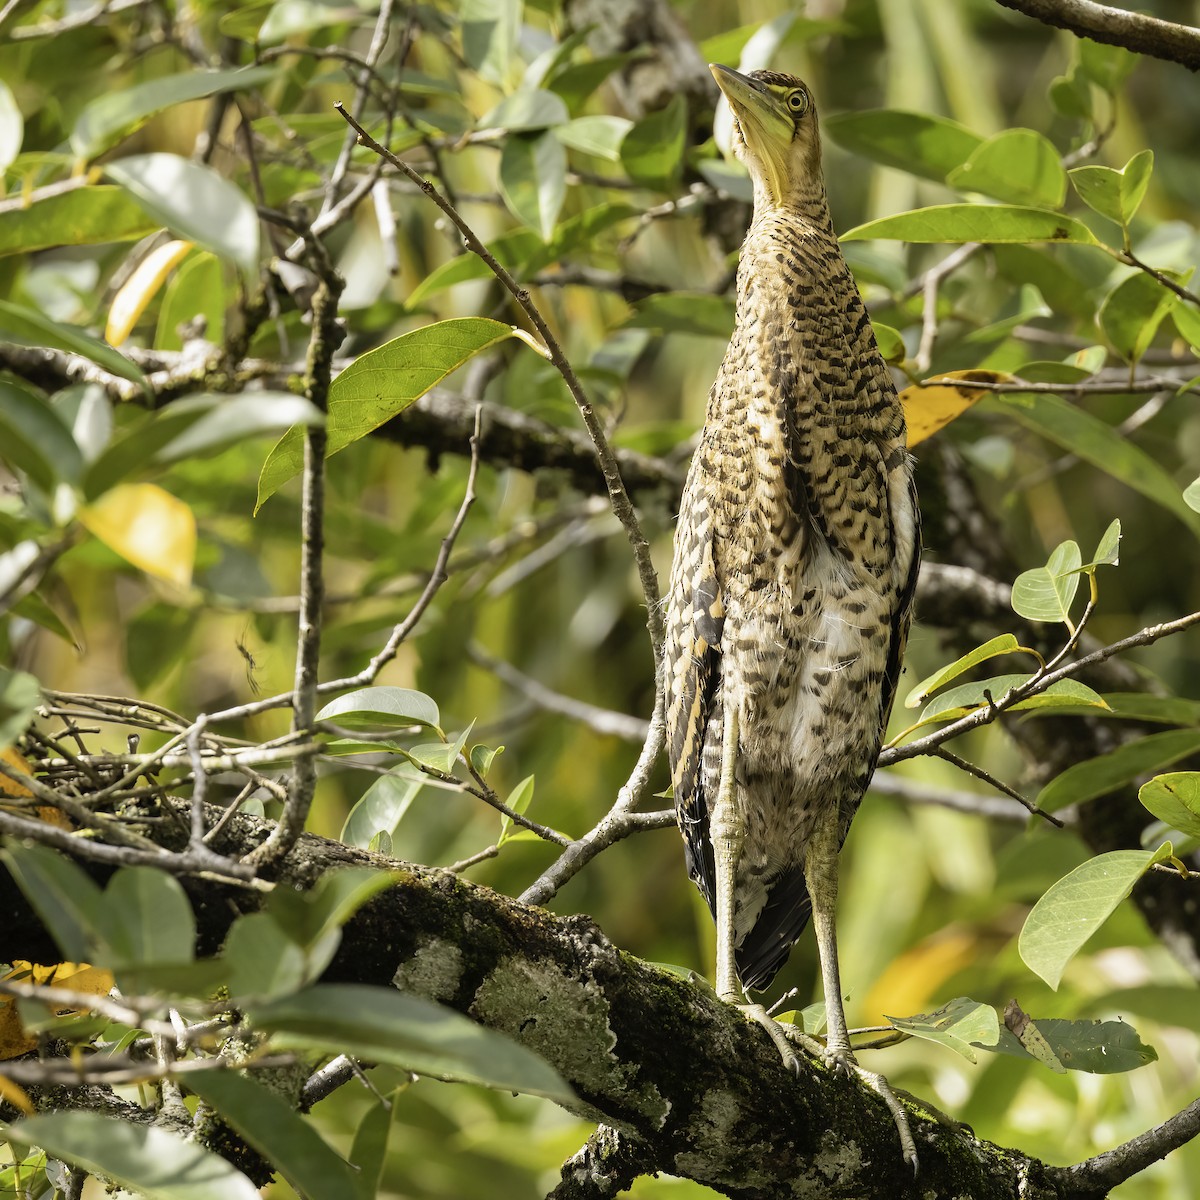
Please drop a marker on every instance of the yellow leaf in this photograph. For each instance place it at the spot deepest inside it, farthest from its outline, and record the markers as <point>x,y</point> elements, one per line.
<point>79,977</point>
<point>140,288</point>
<point>932,406</point>
<point>147,527</point>
<point>10,787</point>
<point>912,981</point>
<point>16,1096</point>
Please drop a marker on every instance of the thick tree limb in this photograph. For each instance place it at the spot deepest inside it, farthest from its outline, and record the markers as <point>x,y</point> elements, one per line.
<point>1117,27</point>
<point>689,1084</point>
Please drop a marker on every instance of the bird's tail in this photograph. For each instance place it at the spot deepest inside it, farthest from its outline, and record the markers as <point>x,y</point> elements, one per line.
<point>766,947</point>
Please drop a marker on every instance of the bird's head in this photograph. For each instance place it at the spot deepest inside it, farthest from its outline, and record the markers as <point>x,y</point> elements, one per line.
<point>774,131</point>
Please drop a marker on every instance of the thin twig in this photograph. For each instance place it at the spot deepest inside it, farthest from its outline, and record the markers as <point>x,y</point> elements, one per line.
<point>979,773</point>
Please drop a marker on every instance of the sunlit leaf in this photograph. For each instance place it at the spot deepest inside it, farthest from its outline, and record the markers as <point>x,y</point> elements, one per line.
<point>379,385</point>
<point>1115,194</point>
<point>1132,312</point>
<point>76,218</point>
<point>384,1026</point>
<point>518,800</point>
<point>141,287</point>
<point>958,701</point>
<point>1005,643</point>
<point>147,527</point>
<point>919,143</point>
<point>1045,593</point>
<point>598,135</point>
<point>931,406</point>
<point>145,1159</point>
<point>30,328</point>
<point>1097,776</point>
<point>957,223</point>
<point>489,35</point>
<point>12,127</point>
<point>1175,799</point>
<point>194,202</point>
<point>380,809</point>
<point>652,151</point>
<point>1077,905</point>
<point>955,1025</point>
<point>1018,166</point>
<point>1106,66</point>
<point>533,180</point>
<point>527,109</point>
<point>116,114</point>
<point>381,708</point>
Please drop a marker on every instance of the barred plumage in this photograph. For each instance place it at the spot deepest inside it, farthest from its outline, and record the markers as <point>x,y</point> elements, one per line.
<point>795,560</point>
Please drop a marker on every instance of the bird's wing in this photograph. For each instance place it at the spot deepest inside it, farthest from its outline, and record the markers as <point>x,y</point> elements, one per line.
<point>902,616</point>
<point>697,619</point>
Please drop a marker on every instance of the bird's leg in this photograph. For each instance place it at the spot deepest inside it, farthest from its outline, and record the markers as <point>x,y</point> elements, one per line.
<point>728,833</point>
<point>821,877</point>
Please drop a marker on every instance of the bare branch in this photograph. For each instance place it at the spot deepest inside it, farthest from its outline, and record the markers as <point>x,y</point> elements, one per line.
<point>1117,27</point>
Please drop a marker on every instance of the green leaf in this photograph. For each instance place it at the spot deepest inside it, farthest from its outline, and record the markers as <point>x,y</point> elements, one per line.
<point>518,800</point>
<point>1097,442</point>
<point>700,313</point>
<point>385,1026</point>
<point>144,1159</point>
<point>20,695</point>
<point>890,342</point>
<point>278,1133</point>
<point>918,143</point>
<point>1191,495</point>
<point>194,202</point>
<point>379,809</point>
<point>1099,1047</point>
<point>489,35</point>
<point>600,136</point>
<point>197,289</point>
<point>958,701</point>
<point>439,757</point>
<point>652,151</point>
<point>12,127</point>
<point>30,328</point>
<point>1006,643</point>
<point>957,223</point>
<point>369,1151</point>
<point>308,917</point>
<point>1115,194</point>
<point>1108,551</point>
<point>231,420</point>
<point>77,218</point>
<point>150,917</point>
<point>261,960</point>
<point>1132,312</point>
<point>533,180</point>
<point>1018,166</point>
<point>379,385</point>
<point>114,115</point>
<point>1187,322</point>
<point>380,708</point>
<point>482,758</point>
<point>1175,799</point>
<point>1097,776</point>
<point>1106,66</point>
<point>958,1025</point>
<point>34,439</point>
<point>1045,593</point>
<point>1077,905</point>
<point>65,898</point>
<point>527,109</point>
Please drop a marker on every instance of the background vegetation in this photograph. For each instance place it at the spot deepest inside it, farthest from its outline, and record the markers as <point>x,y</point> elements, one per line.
<point>236,250</point>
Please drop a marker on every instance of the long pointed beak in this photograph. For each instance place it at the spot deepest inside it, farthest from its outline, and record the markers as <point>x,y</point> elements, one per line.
<point>754,106</point>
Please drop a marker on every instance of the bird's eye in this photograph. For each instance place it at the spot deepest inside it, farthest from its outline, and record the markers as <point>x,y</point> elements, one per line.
<point>797,102</point>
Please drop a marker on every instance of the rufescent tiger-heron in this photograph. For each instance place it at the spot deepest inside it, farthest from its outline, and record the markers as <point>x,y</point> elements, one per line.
<point>791,590</point>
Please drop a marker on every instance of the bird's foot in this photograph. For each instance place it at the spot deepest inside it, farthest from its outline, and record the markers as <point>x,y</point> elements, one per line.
<point>775,1031</point>
<point>842,1060</point>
